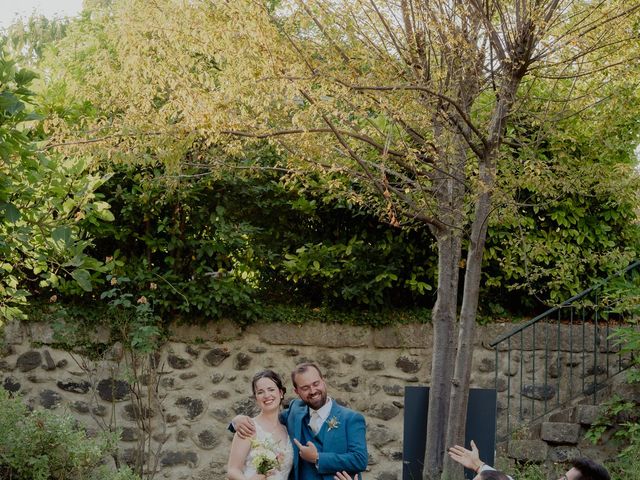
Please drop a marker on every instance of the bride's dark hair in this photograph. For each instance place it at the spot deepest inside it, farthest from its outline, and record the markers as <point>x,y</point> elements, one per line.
<point>271,375</point>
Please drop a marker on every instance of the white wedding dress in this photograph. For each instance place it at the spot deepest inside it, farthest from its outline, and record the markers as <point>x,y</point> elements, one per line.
<point>282,449</point>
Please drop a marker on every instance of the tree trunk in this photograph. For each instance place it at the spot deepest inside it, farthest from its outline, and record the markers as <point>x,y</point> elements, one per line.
<point>464,353</point>
<point>444,320</point>
<point>450,193</point>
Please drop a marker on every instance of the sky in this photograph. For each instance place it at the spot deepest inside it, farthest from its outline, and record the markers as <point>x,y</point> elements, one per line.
<point>10,9</point>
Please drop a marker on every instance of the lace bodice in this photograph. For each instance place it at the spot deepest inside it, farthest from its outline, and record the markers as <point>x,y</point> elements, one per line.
<point>283,451</point>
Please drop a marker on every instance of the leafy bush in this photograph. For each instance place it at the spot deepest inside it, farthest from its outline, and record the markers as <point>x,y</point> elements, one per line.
<point>43,199</point>
<point>230,245</point>
<point>42,445</point>
<point>620,418</point>
<point>530,471</point>
<point>627,466</point>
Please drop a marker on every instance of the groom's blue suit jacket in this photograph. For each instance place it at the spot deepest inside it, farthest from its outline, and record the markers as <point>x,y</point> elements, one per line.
<point>342,442</point>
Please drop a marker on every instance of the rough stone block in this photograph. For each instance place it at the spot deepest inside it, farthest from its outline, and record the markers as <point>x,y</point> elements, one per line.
<point>387,476</point>
<point>11,384</point>
<point>587,414</point>
<point>563,454</point>
<point>112,390</point>
<point>241,361</point>
<point>560,432</point>
<point>205,438</point>
<point>80,407</point>
<point>528,450</point>
<point>13,333</point>
<point>384,411</point>
<point>29,360</point>
<point>485,364</point>
<point>394,390</point>
<point>380,435</point>
<point>315,333</point>
<point>217,332</point>
<point>179,363</point>
<point>135,412</point>
<point>216,356</point>
<point>74,387</point>
<point>372,365</point>
<point>49,364</point>
<point>129,434</point>
<point>566,415</point>
<point>539,392</point>
<point>50,399</point>
<point>630,392</point>
<point>408,336</point>
<point>408,365</point>
<point>172,459</point>
<point>348,358</point>
<point>40,333</point>
<point>192,407</point>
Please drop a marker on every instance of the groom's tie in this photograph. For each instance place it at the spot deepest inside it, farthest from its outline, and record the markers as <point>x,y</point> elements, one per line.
<point>314,422</point>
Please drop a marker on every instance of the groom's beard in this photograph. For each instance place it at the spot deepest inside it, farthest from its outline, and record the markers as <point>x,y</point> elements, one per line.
<point>317,401</point>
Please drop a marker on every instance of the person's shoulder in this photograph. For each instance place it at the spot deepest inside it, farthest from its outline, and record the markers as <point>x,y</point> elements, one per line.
<point>346,411</point>
<point>296,404</point>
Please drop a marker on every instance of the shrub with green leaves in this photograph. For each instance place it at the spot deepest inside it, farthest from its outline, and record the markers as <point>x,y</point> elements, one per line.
<point>619,420</point>
<point>230,244</point>
<point>43,200</point>
<point>43,445</point>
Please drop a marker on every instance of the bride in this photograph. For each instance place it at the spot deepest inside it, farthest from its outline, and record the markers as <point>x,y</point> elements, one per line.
<point>269,455</point>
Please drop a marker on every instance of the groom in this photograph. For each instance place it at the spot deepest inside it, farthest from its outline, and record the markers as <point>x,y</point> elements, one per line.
<point>327,438</point>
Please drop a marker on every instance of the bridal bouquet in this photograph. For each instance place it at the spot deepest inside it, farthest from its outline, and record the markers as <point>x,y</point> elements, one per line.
<point>265,458</point>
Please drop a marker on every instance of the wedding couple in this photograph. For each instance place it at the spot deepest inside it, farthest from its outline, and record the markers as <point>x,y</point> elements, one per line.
<point>313,439</point>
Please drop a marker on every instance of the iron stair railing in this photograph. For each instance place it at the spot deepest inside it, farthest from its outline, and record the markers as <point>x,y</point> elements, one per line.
<point>572,342</point>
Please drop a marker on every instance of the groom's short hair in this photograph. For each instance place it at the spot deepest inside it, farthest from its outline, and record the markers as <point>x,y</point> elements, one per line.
<point>590,470</point>
<point>492,475</point>
<point>301,368</point>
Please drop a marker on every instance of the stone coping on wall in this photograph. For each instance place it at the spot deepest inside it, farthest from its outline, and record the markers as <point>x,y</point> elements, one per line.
<point>549,336</point>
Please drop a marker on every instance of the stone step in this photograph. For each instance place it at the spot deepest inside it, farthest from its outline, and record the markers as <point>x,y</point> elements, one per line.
<point>561,433</point>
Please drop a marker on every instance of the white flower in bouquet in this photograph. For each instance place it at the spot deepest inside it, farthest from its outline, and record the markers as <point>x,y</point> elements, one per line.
<point>265,458</point>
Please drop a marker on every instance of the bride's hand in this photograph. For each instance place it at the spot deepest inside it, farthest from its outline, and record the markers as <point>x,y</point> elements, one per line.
<point>344,476</point>
<point>258,476</point>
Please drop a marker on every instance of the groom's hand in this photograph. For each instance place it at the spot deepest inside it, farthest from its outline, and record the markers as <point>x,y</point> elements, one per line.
<point>308,452</point>
<point>244,426</point>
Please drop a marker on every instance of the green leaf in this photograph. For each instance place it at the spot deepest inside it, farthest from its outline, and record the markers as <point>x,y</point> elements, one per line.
<point>24,76</point>
<point>62,235</point>
<point>83,278</point>
<point>103,212</point>
<point>10,103</point>
<point>12,214</point>
<point>76,261</point>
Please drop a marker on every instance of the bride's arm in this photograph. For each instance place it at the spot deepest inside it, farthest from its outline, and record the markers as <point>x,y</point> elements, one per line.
<point>237,455</point>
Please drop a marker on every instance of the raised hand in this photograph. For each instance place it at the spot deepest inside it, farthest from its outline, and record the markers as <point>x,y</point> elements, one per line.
<point>308,452</point>
<point>467,458</point>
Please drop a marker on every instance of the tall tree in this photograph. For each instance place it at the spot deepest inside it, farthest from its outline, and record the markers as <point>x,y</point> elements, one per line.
<point>411,98</point>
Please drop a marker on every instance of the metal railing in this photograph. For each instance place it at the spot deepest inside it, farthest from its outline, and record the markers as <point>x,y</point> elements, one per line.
<point>564,353</point>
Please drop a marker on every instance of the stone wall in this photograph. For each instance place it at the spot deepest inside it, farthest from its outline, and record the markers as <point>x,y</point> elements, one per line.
<point>204,380</point>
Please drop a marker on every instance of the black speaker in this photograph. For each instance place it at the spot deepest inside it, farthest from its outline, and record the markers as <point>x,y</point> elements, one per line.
<point>481,428</point>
